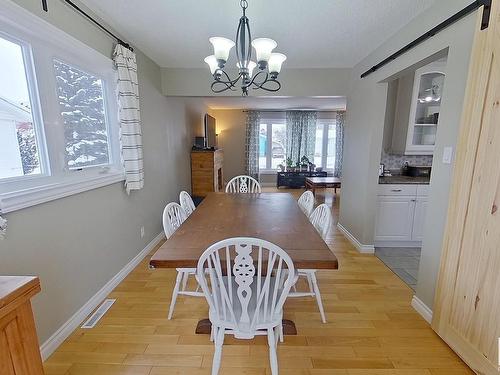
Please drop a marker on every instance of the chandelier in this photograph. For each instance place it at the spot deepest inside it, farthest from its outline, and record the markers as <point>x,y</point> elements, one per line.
<point>268,63</point>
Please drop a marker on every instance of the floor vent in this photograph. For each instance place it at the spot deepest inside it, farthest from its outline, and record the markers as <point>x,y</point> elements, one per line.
<point>98,314</point>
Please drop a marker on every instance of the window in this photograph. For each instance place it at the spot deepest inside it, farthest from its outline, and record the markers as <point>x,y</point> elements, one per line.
<point>19,150</point>
<point>272,144</point>
<point>263,146</point>
<point>331,145</point>
<point>325,144</point>
<point>318,146</point>
<point>59,131</point>
<point>81,102</point>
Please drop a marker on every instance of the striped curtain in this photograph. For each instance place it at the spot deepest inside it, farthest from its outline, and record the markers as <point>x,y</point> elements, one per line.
<point>252,144</point>
<point>130,119</point>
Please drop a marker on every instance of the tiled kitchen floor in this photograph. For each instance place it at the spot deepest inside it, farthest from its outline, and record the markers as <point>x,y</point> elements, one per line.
<point>402,261</point>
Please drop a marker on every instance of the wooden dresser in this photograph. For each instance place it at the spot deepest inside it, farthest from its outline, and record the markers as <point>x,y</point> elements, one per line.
<point>19,350</point>
<point>206,172</point>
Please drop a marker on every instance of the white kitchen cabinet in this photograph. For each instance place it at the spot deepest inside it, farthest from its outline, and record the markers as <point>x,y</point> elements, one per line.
<point>394,218</point>
<point>400,218</point>
<point>425,107</point>
<point>412,111</point>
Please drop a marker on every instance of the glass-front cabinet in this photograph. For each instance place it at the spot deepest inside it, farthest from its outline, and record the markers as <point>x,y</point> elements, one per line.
<point>425,107</point>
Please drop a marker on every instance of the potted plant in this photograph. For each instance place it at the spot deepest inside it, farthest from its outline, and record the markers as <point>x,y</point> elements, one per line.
<point>289,164</point>
<point>304,163</point>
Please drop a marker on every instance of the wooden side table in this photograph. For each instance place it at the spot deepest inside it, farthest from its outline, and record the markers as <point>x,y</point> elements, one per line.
<point>19,350</point>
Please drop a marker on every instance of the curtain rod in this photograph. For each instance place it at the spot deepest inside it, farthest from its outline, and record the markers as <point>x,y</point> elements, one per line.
<point>443,25</point>
<point>91,19</point>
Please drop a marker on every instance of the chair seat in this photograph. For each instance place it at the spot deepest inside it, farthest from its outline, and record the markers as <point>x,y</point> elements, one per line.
<point>243,330</point>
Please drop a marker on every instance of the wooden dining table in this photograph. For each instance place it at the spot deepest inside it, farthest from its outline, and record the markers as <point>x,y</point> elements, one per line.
<point>275,217</point>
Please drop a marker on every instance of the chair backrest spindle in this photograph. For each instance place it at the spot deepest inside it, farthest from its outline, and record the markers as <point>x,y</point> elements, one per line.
<point>306,202</point>
<point>173,217</point>
<point>186,202</point>
<point>321,219</point>
<point>243,184</point>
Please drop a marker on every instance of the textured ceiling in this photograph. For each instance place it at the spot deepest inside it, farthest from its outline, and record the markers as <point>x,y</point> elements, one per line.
<point>312,33</point>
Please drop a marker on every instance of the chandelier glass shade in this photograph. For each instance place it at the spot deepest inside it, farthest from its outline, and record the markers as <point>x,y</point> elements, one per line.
<point>268,63</point>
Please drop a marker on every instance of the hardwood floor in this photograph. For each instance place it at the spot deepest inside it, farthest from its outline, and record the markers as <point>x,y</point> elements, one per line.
<point>371,329</point>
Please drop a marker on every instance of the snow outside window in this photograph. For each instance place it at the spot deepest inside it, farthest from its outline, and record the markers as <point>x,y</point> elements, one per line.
<point>81,102</point>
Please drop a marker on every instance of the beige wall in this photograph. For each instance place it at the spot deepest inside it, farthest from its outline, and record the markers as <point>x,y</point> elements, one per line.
<point>366,104</point>
<point>231,130</point>
<point>77,244</point>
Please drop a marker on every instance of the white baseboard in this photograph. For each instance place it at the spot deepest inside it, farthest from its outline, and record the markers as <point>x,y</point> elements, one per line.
<point>422,309</point>
<point>53,342</point>
<point>365,249</point>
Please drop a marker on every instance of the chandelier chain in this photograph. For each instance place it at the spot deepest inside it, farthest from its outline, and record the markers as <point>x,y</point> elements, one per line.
<point>244,4</point>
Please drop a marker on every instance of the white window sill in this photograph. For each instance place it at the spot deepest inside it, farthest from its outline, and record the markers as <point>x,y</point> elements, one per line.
<point>19,199</point>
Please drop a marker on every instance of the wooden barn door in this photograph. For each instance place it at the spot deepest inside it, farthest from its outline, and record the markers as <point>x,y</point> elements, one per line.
<point>467,305</point>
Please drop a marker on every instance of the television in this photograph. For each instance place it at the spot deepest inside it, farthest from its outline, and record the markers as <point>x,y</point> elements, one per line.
<point>210,133</point>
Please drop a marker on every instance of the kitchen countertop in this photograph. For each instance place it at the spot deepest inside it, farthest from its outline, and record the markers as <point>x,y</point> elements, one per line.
<point>399,179</point>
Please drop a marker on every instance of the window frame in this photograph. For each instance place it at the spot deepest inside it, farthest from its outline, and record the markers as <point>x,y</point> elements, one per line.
<point>45,44</point>
<point>325,123</point>
<point>36,110</point>
<point>110,132</point>
<point>269,122</point>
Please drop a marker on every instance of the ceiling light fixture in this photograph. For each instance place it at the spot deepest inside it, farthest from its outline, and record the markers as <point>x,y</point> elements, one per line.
<point>268,63</point>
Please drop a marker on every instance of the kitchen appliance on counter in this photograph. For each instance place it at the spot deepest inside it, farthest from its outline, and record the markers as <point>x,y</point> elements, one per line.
<point>381,170</point>
<point>417,171</point>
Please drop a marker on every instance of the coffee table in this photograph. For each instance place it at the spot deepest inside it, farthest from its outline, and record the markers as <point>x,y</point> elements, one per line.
<point>312,183</point>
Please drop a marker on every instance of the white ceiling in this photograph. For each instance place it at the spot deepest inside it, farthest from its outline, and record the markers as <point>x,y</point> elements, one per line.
<point>312,33</point>
<point>276,102</point>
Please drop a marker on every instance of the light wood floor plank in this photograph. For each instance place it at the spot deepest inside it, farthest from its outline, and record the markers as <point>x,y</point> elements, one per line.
<point>371,329</point>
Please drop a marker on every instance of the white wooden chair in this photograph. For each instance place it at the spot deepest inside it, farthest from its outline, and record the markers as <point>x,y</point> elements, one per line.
<point>173,216</point>
<point>321,219</point>
<point>306,202</point>
<point>243,184</point>
<point>243,293</point>
<point>186,202</point>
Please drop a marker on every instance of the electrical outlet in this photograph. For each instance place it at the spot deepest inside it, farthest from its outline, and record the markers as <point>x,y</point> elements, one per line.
<point>142,232</point>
